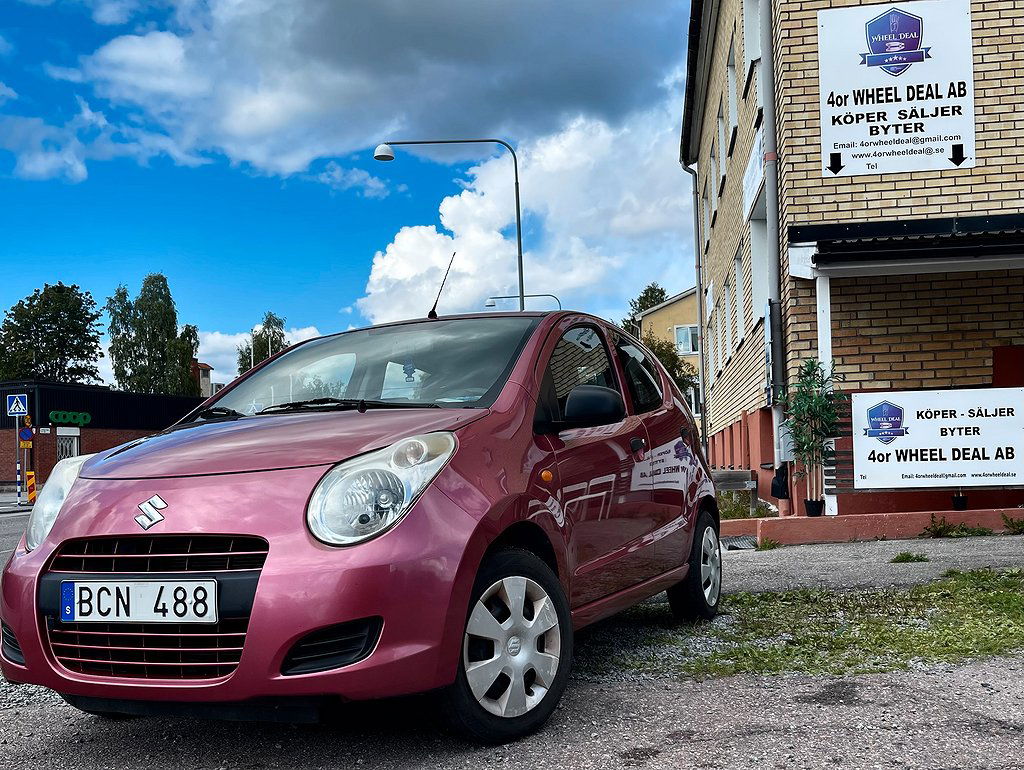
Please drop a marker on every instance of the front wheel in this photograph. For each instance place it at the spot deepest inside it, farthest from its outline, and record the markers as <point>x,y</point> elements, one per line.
<point>516,650</point>
<point>698,594</point>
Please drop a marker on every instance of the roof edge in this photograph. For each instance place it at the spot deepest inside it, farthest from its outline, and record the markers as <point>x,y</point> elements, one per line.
<point>669,301</point>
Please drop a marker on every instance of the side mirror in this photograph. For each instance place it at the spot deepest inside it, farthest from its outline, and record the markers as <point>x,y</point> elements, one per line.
<point>592,405</point>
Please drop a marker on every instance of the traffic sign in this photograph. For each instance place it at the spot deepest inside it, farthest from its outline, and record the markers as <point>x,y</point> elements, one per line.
<point>25,434</point>
<point>24,445</point>
<point>17,405</point>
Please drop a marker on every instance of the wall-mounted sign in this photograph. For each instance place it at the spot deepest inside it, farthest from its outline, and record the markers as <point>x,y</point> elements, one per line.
<point>70,418</point>
<point>938,438</point>
<point>896,88</point>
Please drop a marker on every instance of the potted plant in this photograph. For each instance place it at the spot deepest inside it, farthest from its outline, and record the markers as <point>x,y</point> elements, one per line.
<point>813,407</point>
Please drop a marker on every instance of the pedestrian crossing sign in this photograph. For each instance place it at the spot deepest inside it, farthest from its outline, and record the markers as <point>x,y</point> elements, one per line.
<point>17,405</point>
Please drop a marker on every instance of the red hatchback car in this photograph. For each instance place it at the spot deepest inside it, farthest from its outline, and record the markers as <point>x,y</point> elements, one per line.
<point>427,505</point>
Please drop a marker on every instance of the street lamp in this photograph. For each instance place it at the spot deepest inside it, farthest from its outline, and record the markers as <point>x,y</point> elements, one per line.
<point>383,152</point>
<point>490,300</point>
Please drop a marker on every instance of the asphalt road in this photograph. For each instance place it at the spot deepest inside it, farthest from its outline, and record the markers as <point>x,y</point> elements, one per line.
<point>964,716</point>
<point>12,527</point>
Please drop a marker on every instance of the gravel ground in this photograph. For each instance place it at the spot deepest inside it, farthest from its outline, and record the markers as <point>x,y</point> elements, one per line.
<point>965,716</point>
<point>866,564</point>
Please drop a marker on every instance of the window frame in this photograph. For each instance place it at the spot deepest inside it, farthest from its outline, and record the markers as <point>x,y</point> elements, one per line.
<point>659,382</point>
<point>689,338</point>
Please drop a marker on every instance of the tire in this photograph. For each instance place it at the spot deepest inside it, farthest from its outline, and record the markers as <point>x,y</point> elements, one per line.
<point>697,596</point>
<point>511,677</point>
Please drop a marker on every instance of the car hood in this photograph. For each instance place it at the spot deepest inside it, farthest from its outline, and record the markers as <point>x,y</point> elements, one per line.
<point>270,442</point>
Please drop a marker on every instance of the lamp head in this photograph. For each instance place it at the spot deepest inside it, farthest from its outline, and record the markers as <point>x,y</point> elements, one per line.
<point>383,152</point>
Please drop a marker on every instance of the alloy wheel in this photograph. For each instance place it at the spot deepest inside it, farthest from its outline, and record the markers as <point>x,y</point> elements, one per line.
<point>511,650</point>
<point>710,566</point>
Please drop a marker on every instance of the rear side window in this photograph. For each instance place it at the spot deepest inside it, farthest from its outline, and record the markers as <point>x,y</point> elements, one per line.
<point>579,358</point>
<point>642,377</point>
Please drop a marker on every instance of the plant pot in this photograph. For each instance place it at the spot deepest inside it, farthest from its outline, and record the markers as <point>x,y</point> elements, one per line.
<point>814,507</point>
<point>959,502</point>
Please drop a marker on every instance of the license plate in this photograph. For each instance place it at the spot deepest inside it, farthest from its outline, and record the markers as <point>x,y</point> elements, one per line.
<point>138,601</point>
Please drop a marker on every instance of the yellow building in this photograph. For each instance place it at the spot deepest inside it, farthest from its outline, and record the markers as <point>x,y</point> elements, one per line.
<point>676,320</point>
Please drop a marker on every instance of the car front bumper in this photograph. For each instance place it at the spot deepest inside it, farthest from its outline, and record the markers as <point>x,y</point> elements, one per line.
<point>417,577</point>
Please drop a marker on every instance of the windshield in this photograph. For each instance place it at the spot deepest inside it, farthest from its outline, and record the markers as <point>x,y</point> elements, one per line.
<point>453,363</point>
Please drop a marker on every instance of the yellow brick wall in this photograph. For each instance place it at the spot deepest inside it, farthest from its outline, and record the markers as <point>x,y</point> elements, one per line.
<point>994,186</point>
<point>739,385</point>
<point>662,322</point>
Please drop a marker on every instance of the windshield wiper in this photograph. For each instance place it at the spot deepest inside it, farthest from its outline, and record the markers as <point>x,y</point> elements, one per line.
<point>214,412</point>
<point>359,404</point>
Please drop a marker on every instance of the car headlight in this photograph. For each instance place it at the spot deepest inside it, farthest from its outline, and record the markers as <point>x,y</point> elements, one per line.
<point>361,498</point>
<point>51,498</point>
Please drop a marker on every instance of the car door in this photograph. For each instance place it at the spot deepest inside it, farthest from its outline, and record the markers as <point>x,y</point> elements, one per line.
<point>670,461</point>
<point>601,492</point>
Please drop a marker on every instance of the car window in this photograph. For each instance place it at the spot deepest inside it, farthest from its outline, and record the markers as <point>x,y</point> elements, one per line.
<point>579,358</point>
<point>642,377</point>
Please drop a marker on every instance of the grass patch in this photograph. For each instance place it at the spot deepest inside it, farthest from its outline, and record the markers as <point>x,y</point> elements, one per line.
<point>1013,526</point>
<point>736,505</point>
<point>942,528</point>
<point>906,557</point>
<point>963,616</point>
<point>768,545</point>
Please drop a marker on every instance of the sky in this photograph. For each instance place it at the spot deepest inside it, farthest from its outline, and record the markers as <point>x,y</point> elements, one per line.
<point>229,145</point>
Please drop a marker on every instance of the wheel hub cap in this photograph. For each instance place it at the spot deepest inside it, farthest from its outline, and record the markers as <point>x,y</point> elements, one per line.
<point>511,649</point>
<point>710,566</point>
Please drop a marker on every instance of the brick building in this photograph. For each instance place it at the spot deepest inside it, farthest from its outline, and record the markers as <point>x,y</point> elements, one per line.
<point>71,420</point>
<point>905,280</point>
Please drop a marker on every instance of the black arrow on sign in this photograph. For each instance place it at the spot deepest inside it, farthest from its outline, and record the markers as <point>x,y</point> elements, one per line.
<point>957,156</point>
<point>835,162</point>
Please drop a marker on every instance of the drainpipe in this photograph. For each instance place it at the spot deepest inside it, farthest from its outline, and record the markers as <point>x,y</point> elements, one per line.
<point>700,309</point>
<point>771,190</point>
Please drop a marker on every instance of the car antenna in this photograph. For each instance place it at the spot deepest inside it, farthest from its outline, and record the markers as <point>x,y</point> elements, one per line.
<point>432,315</point>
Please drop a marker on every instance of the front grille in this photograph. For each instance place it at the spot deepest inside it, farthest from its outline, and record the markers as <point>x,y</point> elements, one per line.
<point>9,645</point>
<point>137,554</point>
<point>333,647</point>
<point>149,650</point>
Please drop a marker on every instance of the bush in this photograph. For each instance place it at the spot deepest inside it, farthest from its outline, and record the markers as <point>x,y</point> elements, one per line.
<point>736,505</point>
<point>906,557</point>
<point>943,528</point>
<point>1013,526</point>
<point>768,545</point>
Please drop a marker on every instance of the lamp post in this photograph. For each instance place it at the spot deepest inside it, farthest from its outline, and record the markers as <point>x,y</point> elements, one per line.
<point>490,300</point>
<point>385,153</point>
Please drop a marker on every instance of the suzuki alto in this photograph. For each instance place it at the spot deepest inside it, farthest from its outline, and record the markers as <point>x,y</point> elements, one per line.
<point>433,505</point>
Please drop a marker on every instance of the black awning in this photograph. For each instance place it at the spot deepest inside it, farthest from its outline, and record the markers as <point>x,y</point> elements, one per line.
<point>951,238</point>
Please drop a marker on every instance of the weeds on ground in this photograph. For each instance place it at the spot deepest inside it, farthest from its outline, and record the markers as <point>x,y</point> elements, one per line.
<point>906,557</point>
<point>964,615</point>
<point>767,545</point>
<point>736,505</point>
<point>1013,526</point>
<point>942,528</point>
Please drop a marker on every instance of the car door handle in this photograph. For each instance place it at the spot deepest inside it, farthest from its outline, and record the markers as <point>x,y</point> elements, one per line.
<point>637,444</point>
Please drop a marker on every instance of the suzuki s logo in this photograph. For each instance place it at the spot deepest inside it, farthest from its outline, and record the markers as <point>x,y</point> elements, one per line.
<point>151,512</point>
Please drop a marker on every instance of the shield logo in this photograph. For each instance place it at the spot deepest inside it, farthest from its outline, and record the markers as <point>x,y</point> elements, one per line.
<point>885,422</point>
<point>894,41</point>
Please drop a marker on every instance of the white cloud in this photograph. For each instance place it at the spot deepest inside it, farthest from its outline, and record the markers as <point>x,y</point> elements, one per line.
<point>366,184</point>
<point>611,204</point>
<point>220,349</point>
<point>6,47</point>
<point>7,93</point>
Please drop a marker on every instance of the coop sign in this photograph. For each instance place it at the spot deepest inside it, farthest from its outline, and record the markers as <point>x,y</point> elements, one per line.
<point>896,86</point>
<point>938,438</point>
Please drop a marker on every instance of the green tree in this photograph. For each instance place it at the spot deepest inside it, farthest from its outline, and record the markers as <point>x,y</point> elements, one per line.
<point>147,352</point>
<point>267,339</point>
<point>680,370</point>
<point>53,334</point>
<point>652,295</point>
<point>814,409</point>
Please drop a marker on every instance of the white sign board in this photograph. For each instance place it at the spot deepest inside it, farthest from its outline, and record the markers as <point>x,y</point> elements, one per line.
<point>896,87</point>
<point>938,438</point>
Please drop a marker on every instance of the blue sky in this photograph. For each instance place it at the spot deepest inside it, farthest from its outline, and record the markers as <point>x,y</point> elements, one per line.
<point>229,146</point>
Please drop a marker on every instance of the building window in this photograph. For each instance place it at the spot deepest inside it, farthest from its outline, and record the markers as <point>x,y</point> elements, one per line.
<point>740,296</point>
<point>709,349</point>
<point>730,341</point>
<point>751,31</point>
<point>687,340</point>
<point>720,339</point>
<point>733,117</point>
<point>707,216</point>
<point>758,259</point>
<point>714,180</point>
<point>723,145</point>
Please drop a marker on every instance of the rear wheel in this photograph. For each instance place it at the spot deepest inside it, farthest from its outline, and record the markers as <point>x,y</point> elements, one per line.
<point>516,650</point>
<point>698,594</point>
